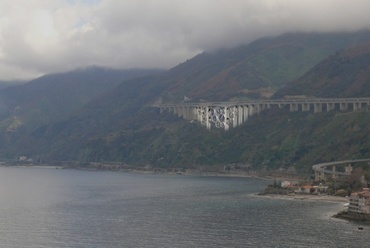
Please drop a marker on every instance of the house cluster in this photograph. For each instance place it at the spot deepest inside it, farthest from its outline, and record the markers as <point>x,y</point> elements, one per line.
<point>305,189</point>
<point>25,159</point>
<point>359,202</point>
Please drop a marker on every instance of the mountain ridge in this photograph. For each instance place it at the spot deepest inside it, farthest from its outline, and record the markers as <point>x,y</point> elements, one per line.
<point>121,126</point>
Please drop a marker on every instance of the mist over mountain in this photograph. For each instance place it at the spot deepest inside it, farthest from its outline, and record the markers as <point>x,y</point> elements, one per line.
<point>116,123</point>
<point>256,70</point>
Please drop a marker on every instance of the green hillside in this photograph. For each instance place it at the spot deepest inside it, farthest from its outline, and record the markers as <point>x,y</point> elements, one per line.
<point>255,70</point>
<point>345,74</point>
<point>54,97</point>
<point>120,126</point>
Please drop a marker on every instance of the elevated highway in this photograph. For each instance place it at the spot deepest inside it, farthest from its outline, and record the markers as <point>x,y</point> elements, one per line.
<point>233,114</point>
<point>322,173</point>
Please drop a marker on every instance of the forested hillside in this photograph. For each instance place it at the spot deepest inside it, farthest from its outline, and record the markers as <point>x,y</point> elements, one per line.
<point>121,126</point>
<point>345,74</point>
<point>54,97</point>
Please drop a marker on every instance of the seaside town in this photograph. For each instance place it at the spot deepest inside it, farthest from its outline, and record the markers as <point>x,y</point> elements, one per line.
<point>350,186</point>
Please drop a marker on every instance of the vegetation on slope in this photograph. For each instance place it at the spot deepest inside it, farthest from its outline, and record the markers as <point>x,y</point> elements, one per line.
<point>121,126</point>
<point>345,74</point>
<point>255,70</point>
<point>271,140</point>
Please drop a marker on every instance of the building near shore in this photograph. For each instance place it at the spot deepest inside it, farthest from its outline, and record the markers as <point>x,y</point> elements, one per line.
<point>359,202</point>
<point>310,189</point>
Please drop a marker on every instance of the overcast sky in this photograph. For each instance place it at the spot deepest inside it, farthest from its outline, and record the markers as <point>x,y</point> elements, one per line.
<point>45,36</point>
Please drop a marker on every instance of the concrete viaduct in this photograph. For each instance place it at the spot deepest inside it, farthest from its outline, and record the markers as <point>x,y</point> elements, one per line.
<point>233,114</point>
<point>323,173</point>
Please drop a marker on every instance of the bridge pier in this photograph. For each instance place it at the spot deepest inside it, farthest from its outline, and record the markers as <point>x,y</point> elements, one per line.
<point>343,106</point>
<point>293,107</point>
<point>348,169</point>
<point>317,107</point>
<point>240,115</point>
<point>206,118</point>
<point>245,113</point>
<point>330,106</point>
<point>321,173</point>
<point>356,106</point>
<point>334,174</point>
<point>306,107</point>
<point>233,114</point>
<point>320,176</point>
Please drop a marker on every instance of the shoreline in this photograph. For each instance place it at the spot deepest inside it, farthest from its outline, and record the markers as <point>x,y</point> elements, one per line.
<point>302,197</point>
<point>164,171</point>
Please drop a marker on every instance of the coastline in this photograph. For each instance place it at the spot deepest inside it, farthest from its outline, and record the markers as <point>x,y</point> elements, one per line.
<point>301,197</point>
<point>156,171</point>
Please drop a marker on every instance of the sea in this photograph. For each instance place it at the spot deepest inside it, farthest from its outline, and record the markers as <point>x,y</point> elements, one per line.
<point>48,207</point>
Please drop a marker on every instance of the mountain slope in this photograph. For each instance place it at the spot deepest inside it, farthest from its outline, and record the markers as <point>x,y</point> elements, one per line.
<point>6,84</point>
<point>53,97</point>
<point>121,126</point>
<point>345,74</point>
<point>257,69</point>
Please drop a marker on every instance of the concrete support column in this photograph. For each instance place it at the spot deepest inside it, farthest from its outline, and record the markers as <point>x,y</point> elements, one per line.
<point>187,113</point>
<point>293,107</point>
<point>343,106</point>
<point>234,116</point>
<point>348,169</point>
<point>305,107</point>
<point>251,110</point>
<point>180,111</point>
<point>240,115</point>
<point>245,113</point>
<point>330,106</point>
<point>334,174</point>
<point>184,111</point>
<point>226,124</point>
<point>206,118</point>
<point>317,107</point>
<point>194,113</point>
<point>259,108</point>
<point>199,114</point>
<point>317,176</point>
<point>356,106</point>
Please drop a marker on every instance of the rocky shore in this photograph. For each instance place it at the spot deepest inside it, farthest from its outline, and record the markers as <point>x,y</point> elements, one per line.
<point>358,217</point>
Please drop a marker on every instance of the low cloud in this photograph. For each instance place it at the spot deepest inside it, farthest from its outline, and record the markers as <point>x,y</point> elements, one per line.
<point>41,36</point>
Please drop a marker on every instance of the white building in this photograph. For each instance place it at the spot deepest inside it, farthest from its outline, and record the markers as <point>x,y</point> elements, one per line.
<point>359,202</point>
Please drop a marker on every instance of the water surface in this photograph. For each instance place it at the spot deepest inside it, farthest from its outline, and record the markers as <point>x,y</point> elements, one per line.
<point>70,208</point>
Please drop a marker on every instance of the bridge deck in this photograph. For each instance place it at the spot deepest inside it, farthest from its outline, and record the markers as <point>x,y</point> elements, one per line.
<point>233,114</point>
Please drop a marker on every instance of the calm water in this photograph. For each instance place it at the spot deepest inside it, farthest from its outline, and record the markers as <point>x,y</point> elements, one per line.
<point>69,208</point>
